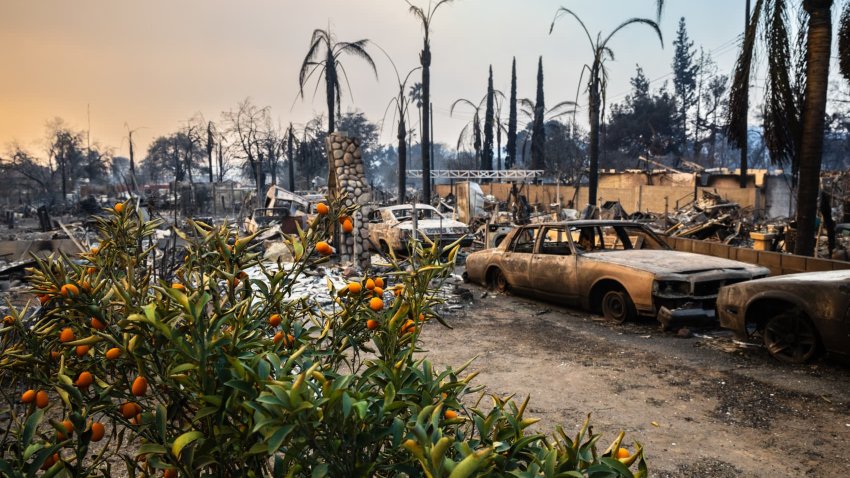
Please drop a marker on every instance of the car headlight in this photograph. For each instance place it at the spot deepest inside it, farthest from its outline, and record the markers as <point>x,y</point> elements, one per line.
<point>671,288</point>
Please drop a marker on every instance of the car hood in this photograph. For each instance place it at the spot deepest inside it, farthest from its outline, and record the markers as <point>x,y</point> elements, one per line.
<point>423,224</point>
<point>668,262</point>
<point>808,278</point>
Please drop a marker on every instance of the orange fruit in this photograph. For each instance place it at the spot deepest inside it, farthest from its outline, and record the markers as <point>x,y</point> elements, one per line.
<point>372,324</point>
<point>91,270</point>
<point>378,291</point>
<point>354,287</point>
<point>421,317</point>
<point>84,380</point>
<point>129,410</point>
<point>140,386</point>
<point>290,340</point>
<point>41,399</point>
<point>376,304</point>
<point>55,355</point>
<point>8,321</point>
<point>370,284</point>
<point>119,208</point>
<point>42,298</point>
<point>96,324</point>
<point>97,431</point>
<point>28,396</point>
<point>450,414</point>
<point>379,282</point>
<point>408,327</point>
<point>322,208</point>
<point>85,286</point>
<point>274,320</point>
<point>347,226</point>
<point>50,461</point>
<point>68,290</point>
<point>342,219</point>
<point>94,251</point>
<point>324,248</point>
<point>66,335</point>
<point>623,453</point>
<point>169,473</point>
<point>178,286</point>
<point>82,350</point>
<point>113,353</point>
<point>278,337</point>
<point>69,429</point>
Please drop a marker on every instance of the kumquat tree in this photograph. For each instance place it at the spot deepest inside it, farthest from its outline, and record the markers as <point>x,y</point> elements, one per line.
<point>217,372</point>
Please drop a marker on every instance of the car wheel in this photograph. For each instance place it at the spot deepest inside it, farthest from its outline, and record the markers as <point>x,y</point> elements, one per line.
<point>498,281</point>
<point>617,306</point>
<point>791,337</point>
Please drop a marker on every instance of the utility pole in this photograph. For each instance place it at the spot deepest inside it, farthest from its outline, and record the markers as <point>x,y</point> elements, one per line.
<point>743,125</point>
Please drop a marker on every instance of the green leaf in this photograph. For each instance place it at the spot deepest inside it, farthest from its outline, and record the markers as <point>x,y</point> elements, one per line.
<point>320,470</point>
<point>346,405</point>
<point>30,426</point>
<point>184,440</point>
<point>152,449</point>
<point>278,437</point>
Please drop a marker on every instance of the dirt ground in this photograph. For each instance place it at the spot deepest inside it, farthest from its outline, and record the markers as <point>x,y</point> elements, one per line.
<point>722,410</point>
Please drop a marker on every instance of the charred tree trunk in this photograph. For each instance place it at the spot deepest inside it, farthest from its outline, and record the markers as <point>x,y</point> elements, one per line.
<point>425,60</point>
<point>594,108</point>
<point>402,160</point>
<point>814,111</point>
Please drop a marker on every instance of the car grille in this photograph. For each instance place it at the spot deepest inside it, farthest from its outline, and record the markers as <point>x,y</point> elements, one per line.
<point>711,288</point>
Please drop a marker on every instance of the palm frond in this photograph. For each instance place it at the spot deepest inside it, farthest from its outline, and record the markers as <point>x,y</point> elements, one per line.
<point>347,83</point>
<point>462,101</point>
<point>303,75</point>
<point>566,11</point>
<point>739,91</point>
<point>634,21</point>
<point>358,49</point>
<point>844,42</point>
<point>782,127</point>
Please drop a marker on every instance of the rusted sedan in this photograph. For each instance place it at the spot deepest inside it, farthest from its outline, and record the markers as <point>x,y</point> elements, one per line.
<point>620,269</point>
<point>795,315</point>
<point>392,227</point>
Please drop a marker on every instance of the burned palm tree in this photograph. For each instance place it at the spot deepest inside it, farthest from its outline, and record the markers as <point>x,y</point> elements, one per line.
<point>323,60</point>
<point>426,17</point>
<point>597,82</point>
<point>530,111</point>
<point>401,108</point>
<point>795,99</point>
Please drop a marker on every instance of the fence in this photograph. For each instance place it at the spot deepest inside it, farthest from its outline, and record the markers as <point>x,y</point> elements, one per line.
<point>778,263</point>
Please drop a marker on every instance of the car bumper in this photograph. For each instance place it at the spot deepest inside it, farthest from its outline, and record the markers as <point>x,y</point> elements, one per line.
<point>696,314</point>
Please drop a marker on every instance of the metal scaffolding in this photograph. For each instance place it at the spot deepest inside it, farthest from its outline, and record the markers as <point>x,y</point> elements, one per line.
<point>517,174</point>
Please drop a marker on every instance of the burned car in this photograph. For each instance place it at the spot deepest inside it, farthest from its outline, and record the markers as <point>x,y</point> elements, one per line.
<point>620,269</point>
<point>795,315</point>
<point>392,227</point>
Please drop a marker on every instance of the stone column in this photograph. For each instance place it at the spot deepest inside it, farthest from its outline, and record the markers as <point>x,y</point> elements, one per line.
<point>347,178</point>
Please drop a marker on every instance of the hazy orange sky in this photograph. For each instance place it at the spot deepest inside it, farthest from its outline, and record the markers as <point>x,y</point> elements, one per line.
<point>154,64</point>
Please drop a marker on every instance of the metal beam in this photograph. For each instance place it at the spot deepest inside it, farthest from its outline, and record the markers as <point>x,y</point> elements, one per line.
<point>477,174</point>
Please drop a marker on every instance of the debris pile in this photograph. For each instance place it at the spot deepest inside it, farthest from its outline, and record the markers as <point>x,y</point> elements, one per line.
<point>710,217</point>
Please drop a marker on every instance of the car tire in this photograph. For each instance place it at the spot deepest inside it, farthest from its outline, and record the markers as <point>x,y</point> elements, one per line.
<point>791,337</point>
<point>498,281</point>
<point>617,306</point>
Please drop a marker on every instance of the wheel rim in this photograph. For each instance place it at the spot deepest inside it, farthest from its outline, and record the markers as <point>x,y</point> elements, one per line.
<point>614,306</point>
<point>501,282</point>
<point>790,338</point>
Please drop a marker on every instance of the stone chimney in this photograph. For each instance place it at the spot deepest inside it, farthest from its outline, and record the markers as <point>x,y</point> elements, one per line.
<point>347,178</point>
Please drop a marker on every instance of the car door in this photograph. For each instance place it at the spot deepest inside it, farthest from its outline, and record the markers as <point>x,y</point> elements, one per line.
<point>553,266</point>
<point>516,261</point>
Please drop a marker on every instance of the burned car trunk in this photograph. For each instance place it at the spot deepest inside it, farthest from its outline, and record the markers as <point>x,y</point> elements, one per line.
<point>620,269</point>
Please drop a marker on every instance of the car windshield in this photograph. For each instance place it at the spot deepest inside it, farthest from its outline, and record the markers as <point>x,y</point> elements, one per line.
<point>424,212</point>
<point>600,238</point>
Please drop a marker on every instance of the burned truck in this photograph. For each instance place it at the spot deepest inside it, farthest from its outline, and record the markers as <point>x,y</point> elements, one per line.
<point>620,269</point>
